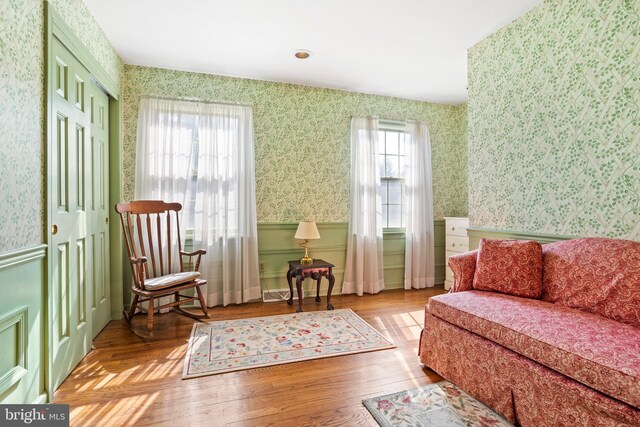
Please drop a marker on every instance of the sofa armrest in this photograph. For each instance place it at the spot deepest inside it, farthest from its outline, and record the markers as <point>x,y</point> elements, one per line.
<point>463,267</point>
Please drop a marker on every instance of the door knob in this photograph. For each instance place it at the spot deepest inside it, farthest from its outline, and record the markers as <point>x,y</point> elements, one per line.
<point>54,229</point>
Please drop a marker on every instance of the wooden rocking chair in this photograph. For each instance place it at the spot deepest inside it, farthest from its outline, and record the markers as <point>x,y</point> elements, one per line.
<point>147,230</point>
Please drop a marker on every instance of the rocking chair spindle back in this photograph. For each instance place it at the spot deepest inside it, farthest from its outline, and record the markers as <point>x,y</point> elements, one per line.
<point>148,227</point>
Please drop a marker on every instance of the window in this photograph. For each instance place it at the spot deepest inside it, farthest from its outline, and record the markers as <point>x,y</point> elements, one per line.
<point>201,154</point>
<point>392,163</point>
<point>218,176</point>
<point>197,154</point>
<point>189,122</point>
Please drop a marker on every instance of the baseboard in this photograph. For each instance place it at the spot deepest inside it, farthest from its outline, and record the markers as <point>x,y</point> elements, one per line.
<point>276,295</point>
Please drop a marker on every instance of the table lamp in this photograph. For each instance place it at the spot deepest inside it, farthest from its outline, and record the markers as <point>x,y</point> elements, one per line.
<point>306,230</point>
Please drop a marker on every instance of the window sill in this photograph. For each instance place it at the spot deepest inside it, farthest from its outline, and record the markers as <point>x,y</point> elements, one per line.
<point>387,231</point>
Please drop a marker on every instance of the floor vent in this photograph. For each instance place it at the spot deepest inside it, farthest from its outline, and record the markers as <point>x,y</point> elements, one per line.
<point>274,295</point>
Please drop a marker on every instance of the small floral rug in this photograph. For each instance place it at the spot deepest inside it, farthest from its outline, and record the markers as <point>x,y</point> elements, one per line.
<point>437,405</point>
<point>233,345</point>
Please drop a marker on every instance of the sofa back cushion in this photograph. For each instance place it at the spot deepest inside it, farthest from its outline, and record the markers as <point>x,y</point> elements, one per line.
<point>511,267</point>
<point>597,275</point>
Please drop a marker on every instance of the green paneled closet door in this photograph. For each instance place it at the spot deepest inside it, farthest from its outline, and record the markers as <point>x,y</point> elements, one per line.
<point>99,208</point>
<point>77,174</point>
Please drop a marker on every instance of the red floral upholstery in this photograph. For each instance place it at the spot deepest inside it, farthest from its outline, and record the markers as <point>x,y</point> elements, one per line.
<point>596,351</point>
<point>523,391</point>
<point>463,267</point>
<point>512,267</point>
<point>542,362</point>
<point>597,275</point>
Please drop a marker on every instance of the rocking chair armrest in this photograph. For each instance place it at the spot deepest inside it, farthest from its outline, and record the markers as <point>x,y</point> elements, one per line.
<point>198,254</point>
<point>194,253</point>
<point>137,261</point>
<point>138,267</point>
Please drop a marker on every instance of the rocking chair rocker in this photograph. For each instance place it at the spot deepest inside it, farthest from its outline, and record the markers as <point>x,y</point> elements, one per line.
<point>147,228</point>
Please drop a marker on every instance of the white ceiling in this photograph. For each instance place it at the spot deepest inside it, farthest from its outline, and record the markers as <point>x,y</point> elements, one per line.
<point>412,49</point>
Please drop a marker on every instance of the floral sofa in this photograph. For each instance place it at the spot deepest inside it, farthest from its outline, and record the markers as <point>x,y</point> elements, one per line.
<point>568,357</point>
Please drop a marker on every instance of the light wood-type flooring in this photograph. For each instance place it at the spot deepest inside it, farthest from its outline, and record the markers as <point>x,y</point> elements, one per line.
<point>127,380</point>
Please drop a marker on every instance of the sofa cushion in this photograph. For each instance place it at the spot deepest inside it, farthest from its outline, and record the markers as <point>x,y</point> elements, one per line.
<point>595,274</point>
<point>512,267</point>
<point>596,351</point>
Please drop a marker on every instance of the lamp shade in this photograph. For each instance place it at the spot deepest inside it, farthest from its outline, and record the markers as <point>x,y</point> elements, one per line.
<point>307,230</point>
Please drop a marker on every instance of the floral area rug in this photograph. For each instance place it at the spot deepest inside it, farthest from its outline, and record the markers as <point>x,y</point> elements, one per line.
<point>437,405</point>
<point>233,345</point>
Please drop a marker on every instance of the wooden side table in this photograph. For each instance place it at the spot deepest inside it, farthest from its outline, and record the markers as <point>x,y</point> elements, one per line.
<point>315,271</point>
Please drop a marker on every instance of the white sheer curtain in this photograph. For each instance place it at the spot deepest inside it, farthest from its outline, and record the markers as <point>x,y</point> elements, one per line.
<point>363,267</point>
<point>201,155</point>
<point>419,270</point>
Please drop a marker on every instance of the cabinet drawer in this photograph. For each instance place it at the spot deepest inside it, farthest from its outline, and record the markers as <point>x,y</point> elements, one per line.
<point>457,227</point>
<point>457,244</point>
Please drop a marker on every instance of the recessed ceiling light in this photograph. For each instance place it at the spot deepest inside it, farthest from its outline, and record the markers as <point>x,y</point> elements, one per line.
<point>302,54</point>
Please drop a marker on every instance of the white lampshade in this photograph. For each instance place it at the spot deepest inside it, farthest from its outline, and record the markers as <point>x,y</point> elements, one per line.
<point>307,230</point>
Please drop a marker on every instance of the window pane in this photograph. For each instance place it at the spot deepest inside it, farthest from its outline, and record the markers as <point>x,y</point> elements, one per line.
<point>404,215</point>
<point>380,145</point>
<point>385,217</point>
<point>392,143</point>
<point>385,186</point>
<point>395,192</point>
<point>395,216</point>
<point>404,140</point>
<point>381,165</point>
<point>392,166</point>
<point>404,166</point>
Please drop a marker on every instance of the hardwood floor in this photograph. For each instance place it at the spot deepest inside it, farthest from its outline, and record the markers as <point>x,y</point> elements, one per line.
<point>127,380</point>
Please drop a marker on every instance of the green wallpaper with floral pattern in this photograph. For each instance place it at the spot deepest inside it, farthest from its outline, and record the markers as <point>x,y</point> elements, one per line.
<point>554,121</point>
<point>302,139</point>
<point>85,27</point>
<point>21,116</point>
<point>456,171</point>
<point>22,112</point>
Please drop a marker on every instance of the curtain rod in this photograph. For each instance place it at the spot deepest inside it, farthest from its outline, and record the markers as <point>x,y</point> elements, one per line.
<point>393,122</point>
<point>390,121</point>
<point>167,98</point>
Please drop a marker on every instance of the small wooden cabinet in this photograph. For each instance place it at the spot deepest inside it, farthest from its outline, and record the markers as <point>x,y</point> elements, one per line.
<point>456,241</point>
